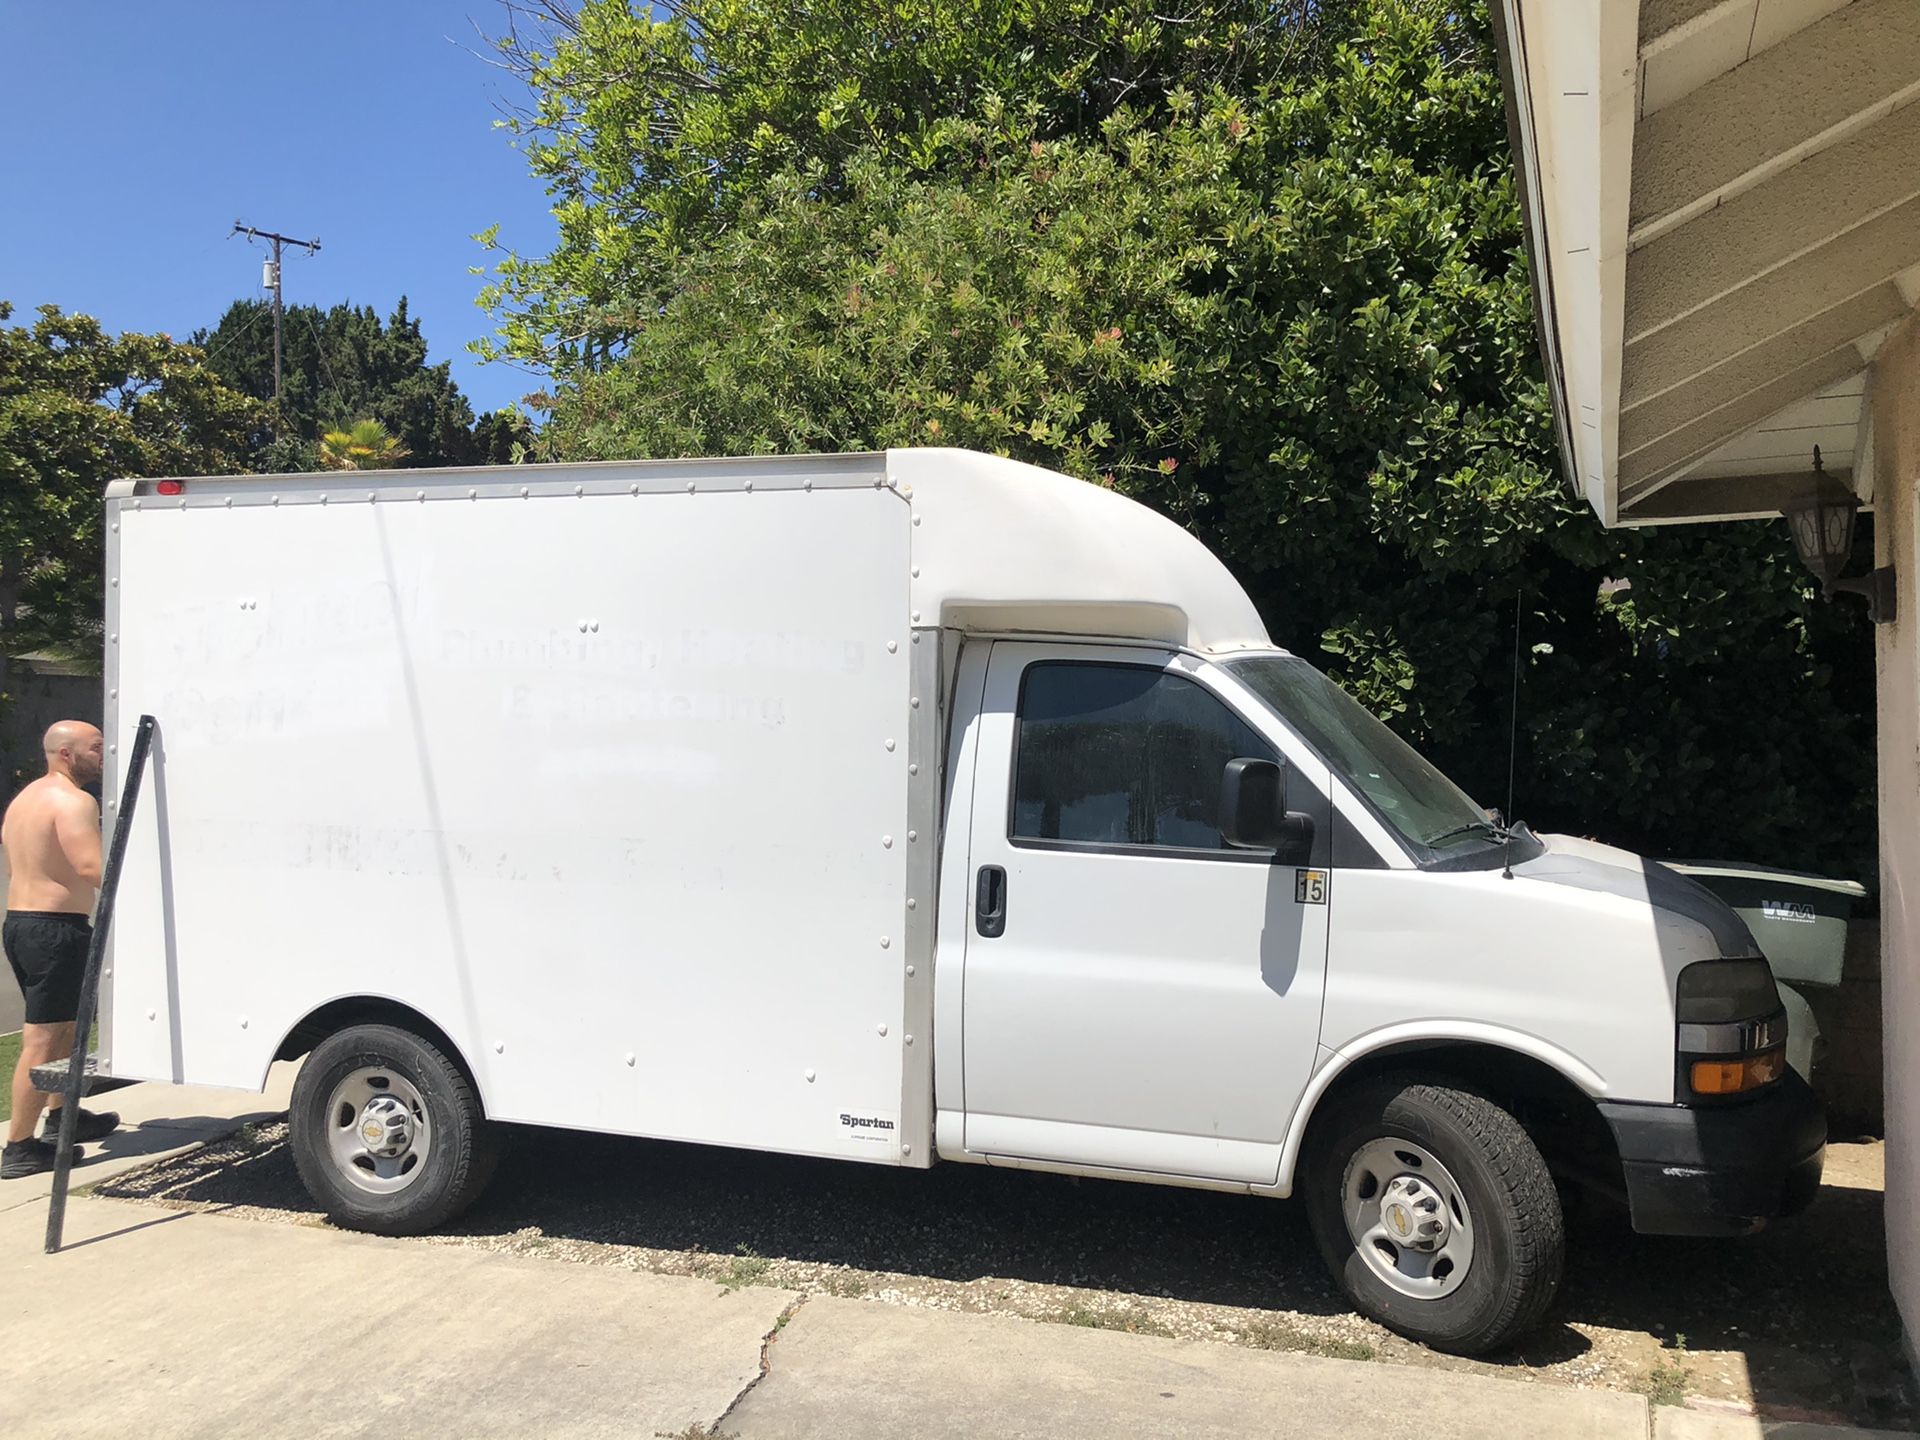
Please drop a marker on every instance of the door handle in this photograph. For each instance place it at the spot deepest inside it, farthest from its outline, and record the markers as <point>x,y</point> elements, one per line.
<point>990,901</point>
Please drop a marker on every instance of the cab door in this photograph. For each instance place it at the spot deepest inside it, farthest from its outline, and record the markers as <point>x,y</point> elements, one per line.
<point>1137,995</point>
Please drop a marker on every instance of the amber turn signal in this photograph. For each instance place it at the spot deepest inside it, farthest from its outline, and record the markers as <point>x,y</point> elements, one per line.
<point>1730,1077</point>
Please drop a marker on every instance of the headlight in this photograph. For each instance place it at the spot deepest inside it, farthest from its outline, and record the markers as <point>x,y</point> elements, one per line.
<point>1733,1030</point>
<point>1723,990</point>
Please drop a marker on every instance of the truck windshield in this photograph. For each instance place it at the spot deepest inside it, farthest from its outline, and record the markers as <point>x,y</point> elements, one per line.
<point>1425,806</point>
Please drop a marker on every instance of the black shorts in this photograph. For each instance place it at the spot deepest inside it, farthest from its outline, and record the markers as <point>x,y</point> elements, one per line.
<point>48,952</point>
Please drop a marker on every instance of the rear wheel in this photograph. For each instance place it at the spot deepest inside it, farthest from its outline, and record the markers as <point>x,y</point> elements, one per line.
<point>388,1132</point>
<point>1435,1213</point>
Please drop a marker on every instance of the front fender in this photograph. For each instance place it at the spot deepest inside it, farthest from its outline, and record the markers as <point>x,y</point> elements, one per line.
<point>1335,1063</point>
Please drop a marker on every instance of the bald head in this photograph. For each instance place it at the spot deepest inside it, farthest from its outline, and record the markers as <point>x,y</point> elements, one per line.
<point>76,750</point>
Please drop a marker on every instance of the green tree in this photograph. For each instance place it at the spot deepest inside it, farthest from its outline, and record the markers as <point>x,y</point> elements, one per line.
<point>363,445</point>
<point>340,365</point>
<point>80,408</point>
<point>1281,298</point>
<point>653,125</point>
<point>503,437</point>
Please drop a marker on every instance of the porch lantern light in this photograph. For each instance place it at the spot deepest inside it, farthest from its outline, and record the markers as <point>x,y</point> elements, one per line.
<point>1822,526</point>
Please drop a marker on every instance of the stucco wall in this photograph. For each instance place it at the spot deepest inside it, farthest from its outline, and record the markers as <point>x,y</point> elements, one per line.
<point>1895,396</point>
<point>1851,1076</point>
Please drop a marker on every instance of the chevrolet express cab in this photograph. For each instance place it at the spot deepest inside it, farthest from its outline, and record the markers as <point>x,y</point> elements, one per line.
<point>897,808</point>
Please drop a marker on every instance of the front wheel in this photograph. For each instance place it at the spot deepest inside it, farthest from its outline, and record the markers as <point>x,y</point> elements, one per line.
<point>1436,1214</point>
<point>387,1131</point>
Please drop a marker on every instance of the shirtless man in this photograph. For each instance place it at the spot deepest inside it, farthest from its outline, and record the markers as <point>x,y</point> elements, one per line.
<point>52,838</point>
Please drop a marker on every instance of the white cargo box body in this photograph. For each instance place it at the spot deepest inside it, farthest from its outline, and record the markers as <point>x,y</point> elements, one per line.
<point>617,798</point>
<point>625,776</point>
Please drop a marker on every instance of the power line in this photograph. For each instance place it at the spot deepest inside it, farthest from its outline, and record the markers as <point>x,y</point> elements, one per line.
<point>1513,741</point>
<point>236,337</point>
<point>320,349</point>
<point>312,247</point>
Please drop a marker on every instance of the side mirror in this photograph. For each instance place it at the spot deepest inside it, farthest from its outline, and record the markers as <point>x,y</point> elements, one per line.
<point>1253,812</point>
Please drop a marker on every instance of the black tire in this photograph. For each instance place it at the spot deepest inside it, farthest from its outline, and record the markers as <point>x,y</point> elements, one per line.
<point>1519,1238</point>
<point>459,1154</point>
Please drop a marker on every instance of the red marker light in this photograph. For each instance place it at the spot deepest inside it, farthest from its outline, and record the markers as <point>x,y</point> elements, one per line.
<point>171,487</point>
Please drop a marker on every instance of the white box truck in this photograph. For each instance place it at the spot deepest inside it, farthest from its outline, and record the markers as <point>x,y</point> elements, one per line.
<point>891,807</point>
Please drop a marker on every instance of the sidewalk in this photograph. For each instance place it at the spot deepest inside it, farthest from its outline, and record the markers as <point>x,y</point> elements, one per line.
<point>198,1324</point>
<point>156,1121</point>
<point>212,1326</point>
<point>855,1368</point>
<point>204,1325</point>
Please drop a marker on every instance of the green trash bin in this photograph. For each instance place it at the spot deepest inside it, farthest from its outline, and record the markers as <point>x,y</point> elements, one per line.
<point>1798,920</point>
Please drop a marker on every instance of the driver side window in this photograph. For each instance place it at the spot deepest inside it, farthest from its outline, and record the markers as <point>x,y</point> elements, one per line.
<point>1123,756</point>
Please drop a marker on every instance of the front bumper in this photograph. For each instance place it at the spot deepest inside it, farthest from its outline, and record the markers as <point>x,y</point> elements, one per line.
<point>1720,1169</point>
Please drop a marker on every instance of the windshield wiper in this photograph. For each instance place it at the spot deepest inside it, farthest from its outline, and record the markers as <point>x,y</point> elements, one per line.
<point>1497,832</point>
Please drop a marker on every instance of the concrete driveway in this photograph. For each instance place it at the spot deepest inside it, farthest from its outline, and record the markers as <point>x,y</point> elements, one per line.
<point>191,1323</point>
<point>188,1324</point>
<point>1795,1322</point>
<point>157,1122</point>
<point>193,1319</point>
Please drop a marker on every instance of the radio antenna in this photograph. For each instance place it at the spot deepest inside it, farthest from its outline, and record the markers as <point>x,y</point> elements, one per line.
<point>1513,741</point>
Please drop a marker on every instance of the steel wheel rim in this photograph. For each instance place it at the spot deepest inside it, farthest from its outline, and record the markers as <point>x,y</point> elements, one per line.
<point>379,1132</point>
<point>1392,1192</point>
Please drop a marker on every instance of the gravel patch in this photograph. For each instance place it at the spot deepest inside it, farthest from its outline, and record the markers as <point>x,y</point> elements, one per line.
<point>1795,1323</point>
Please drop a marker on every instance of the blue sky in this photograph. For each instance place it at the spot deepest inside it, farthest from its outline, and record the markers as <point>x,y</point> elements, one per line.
<point>136,134</point>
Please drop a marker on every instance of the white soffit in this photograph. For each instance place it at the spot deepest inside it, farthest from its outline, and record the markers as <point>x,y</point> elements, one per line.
<point>1678,61</point>
<point>1724,209</point>
<point>1783,442</point>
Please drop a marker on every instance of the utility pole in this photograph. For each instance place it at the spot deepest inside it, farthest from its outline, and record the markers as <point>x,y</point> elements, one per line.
<point>272,282</point>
